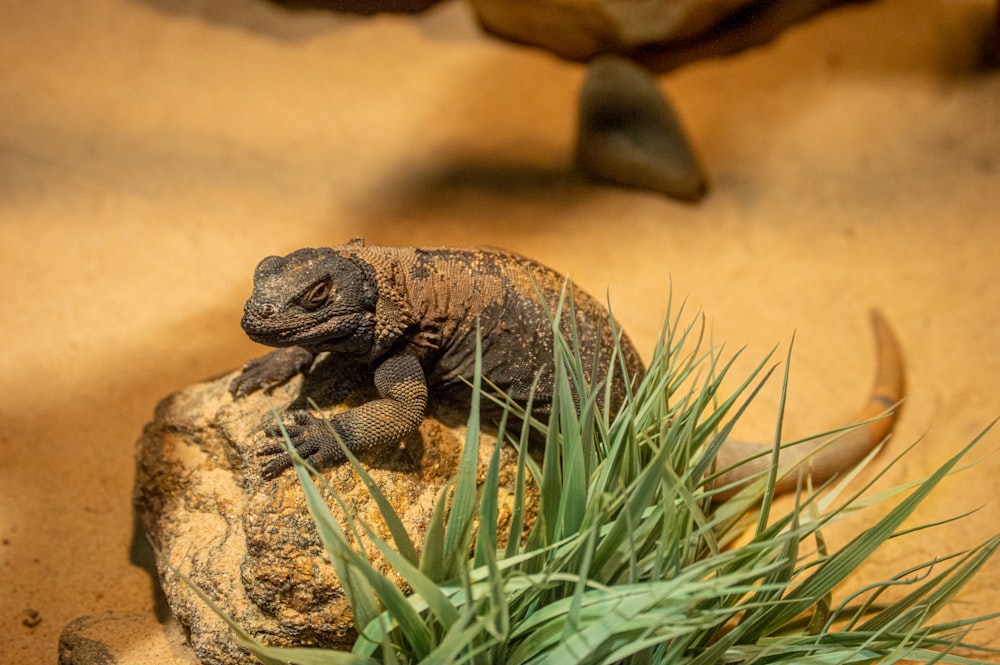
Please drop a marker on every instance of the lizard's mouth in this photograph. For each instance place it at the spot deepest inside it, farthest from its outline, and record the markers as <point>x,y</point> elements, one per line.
<point>313,333</point>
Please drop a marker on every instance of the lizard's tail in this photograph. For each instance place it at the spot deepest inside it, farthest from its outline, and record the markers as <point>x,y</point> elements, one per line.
<point>823,458</point>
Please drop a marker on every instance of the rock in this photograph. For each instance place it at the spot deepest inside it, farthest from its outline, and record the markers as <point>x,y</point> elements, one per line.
<point>581,29</point>
<point>251,544</point>
<point>629,135</point>
<point>363,6</point>
<point>122,639</point>
<point>78,644</point>
<point>661,34</point>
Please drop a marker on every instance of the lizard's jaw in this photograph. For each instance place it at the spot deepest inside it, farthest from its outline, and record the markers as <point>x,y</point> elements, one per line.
<point>311,333</point>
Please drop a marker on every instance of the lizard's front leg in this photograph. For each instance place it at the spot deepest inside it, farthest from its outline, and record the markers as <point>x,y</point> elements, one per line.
<point>402,390</point>
<point>271,370</point>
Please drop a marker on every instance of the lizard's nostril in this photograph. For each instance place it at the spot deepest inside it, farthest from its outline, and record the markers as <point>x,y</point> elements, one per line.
<point>267,310</point>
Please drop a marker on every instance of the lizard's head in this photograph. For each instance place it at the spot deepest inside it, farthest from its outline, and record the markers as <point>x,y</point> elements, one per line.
<point>314,298</point>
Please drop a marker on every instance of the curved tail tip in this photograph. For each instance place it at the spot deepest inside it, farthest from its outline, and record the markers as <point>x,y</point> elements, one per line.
<point>890,378</point>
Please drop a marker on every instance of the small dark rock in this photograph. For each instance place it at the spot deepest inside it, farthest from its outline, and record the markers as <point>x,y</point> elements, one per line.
<point>78,646</point>
<point>129,638</point>
<point>629,135</point>
<point>31,618</point>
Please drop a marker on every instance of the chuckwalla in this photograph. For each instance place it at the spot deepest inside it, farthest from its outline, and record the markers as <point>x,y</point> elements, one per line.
<point>412,315</point>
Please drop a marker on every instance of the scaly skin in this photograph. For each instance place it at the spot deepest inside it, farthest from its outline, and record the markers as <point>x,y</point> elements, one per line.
<point>824,458</point>
<point>411,314</point>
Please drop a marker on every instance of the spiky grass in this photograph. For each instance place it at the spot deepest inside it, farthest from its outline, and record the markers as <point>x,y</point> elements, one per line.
<point>627,560</point>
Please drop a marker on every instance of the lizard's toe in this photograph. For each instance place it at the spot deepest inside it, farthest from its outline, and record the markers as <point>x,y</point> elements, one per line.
<point>270,449</point>
<point>325,456</point>
<point>238,388</point>
<point>248,381</point>
<point>306,446</point>
<point>294,431</point>
<point>275,466</point>
<point>307,435</point>
<point>304,419</point>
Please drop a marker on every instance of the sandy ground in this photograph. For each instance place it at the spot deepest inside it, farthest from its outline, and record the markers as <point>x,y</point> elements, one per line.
<point>152,152</point>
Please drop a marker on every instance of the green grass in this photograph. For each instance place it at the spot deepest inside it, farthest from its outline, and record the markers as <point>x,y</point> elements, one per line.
<point>628,560</point>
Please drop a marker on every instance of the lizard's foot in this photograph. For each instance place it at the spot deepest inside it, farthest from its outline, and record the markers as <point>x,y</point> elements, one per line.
<point>310,438</point>
<point>271,370</point>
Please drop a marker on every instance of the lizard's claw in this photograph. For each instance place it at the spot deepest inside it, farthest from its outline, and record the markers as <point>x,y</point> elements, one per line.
<point>310,438</point>
<point>270,370</point>
<point>257,374</point>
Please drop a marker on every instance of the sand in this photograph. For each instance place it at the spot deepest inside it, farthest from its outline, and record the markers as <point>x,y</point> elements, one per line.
<point>152,152</point>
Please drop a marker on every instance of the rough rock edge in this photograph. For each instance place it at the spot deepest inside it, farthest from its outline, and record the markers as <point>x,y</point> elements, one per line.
<point>661,36</point>
<point>249,543</point>
<point>128,638</point>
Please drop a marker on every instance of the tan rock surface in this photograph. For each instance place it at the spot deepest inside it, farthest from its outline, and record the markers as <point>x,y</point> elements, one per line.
<point>251,544</point>
<point>580,29</point>
<point>123,637</point>
<point>151,155</point>
<point>662,34</point>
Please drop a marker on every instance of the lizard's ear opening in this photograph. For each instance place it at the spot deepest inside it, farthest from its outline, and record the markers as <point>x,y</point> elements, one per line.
<point>369,290</point>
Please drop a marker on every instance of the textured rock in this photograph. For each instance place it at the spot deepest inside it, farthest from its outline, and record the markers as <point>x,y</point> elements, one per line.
<point>363,6</point>
<point>629,135</point>
<point>251,544</point>
<point>661,34</point>
<point>127,638</point>
<point>79,645</point>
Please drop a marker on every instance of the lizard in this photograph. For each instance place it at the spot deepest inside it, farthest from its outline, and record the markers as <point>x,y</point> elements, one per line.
<point>413,315</point>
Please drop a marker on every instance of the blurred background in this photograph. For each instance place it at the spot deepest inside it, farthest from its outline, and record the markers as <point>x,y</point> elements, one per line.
<point>151,152</point>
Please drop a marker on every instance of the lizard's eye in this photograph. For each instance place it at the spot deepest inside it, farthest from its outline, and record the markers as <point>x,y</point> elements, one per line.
<point>316,296</point>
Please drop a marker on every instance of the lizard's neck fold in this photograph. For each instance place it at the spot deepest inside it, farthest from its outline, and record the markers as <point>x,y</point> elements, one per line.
<point>393,312</point>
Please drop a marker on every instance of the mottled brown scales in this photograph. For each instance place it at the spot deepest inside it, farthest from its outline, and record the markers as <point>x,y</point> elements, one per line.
<point>411,314</point>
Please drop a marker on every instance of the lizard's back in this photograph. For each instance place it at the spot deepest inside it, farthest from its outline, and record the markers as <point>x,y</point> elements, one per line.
<point>513,299</point>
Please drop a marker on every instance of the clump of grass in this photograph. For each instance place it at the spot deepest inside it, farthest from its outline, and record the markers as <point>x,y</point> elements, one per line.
<point>628,560</point>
